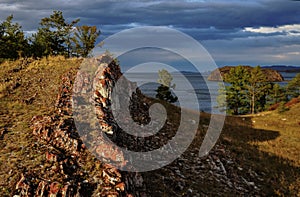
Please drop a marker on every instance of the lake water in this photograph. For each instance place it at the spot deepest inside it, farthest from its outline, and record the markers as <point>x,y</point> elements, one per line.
<point>193,90</point>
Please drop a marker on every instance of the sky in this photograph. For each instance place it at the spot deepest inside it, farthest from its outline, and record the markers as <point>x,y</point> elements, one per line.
<point>257,32</point>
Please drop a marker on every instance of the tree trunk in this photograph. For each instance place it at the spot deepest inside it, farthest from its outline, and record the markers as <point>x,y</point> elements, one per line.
<point>253,103</point>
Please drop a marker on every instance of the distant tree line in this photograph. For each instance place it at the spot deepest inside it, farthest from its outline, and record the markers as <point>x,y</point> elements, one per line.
<point>250,92</point>
<point>55,36</point>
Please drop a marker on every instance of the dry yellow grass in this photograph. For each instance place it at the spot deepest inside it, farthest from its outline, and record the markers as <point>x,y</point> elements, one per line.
<point>19,81</point>
<point>270,143</point>
<point>287,144</point>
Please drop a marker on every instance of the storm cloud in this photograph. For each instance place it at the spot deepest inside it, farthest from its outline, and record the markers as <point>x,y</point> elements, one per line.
<point>234,32</point>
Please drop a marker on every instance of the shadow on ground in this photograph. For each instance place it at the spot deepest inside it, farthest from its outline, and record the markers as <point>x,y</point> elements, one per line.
<point>233,167</point>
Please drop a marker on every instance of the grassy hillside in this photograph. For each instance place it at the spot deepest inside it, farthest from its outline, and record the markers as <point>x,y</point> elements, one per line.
<point>287,145</point>
<point>266,145</point>
<point>27,88</point>
<point>270,142</point>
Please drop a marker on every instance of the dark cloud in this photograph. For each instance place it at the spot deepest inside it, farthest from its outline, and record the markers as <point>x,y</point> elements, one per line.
<point>219,23</point>
<point>255,50</point>
<point>180,14</point>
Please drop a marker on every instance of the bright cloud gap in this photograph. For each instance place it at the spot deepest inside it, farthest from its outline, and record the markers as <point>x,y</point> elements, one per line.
<point>292,29</point>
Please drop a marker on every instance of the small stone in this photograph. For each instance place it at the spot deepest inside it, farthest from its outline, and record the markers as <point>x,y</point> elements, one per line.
<point>120,186</point>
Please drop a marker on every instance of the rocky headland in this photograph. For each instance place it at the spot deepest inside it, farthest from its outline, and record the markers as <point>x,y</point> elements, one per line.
<point>218,74</point>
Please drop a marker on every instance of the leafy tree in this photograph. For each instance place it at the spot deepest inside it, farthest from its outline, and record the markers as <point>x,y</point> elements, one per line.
<point>13,43</point>
<point>293,86</point>
<point>165,78</point>
<point>163,91</point>
<point>84,39</point>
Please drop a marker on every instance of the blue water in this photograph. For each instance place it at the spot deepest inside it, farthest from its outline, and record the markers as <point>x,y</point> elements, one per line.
<point>187,86</point>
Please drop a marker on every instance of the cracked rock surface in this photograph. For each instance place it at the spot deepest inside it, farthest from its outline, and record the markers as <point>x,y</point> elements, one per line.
<point>69,168</point>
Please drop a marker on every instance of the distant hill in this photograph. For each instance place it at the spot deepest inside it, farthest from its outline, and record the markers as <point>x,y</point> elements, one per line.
<point>283,68</point>
<point>218,74</point>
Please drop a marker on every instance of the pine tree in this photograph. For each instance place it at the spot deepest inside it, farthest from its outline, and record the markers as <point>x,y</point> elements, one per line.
<point>163,91</point>
<point>258,88</point>
<point>84,39</point>
<point>54,36</point>
<point>293,86</point>
<point>236,94</point>
<point>13,43</point>
<point>277,94</point>
<point>221,98</point>
<point>246,91</point>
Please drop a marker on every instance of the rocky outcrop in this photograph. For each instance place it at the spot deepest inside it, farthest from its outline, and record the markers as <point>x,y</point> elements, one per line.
<point>69,168</point>
<point>218,74</point>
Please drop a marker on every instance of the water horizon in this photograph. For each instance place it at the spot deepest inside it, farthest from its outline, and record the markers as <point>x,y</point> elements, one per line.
<point>205,90</point>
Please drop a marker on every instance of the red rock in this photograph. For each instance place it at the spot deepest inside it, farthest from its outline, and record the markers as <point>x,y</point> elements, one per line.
<point>120,186</point>
<point>111,194</point>
<point>42,187</point>
<point>58,131</point>
<point>51,157</point>
<point>54,189</point>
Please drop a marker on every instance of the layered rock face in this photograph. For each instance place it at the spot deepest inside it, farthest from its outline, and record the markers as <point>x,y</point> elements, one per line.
<point>70,169</point>
<point>218,74</point>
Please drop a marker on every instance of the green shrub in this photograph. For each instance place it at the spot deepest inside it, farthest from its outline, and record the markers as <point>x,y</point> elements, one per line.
<point>282,108</point>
